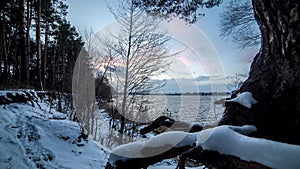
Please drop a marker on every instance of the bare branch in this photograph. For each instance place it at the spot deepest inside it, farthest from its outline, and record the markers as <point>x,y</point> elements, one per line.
<point>141,50</point>
<point>238,23</point>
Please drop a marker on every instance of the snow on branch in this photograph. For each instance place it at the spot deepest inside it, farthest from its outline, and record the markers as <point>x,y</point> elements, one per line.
<point>246,99</point>
<point>142,154</point>
<point>226,140</point>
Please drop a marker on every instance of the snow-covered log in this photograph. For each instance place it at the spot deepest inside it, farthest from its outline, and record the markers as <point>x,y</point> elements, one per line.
<point>212,146</point>
<point>142,154</point>
<point>231,141</point>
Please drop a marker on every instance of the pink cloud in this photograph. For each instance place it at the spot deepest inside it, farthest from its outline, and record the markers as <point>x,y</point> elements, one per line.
<point>186,60</point>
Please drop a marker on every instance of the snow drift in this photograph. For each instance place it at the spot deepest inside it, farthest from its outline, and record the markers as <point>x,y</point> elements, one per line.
<point>34,136</point>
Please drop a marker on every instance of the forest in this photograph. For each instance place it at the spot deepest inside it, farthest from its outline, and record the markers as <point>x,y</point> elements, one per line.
<point>39,46</point>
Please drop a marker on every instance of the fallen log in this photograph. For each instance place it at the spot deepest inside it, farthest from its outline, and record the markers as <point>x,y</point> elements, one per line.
<point>156,124</point>
<point>220,147</point>
<point>142,154</point>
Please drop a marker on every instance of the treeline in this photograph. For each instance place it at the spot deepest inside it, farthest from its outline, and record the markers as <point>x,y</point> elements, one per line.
<point>39,46</point>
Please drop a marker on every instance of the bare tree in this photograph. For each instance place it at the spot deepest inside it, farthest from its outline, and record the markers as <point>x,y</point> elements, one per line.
<point>234,82</point>
<point>239,24</point>
<point>38,43</point>
<point>92,72</point>
<point>141,52</point>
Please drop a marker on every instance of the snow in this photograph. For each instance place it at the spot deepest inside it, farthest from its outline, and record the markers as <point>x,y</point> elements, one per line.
<point>31,136</point>
<point>246,99</point>
<point>228,140</point>
<point>34,136</point>
<point>139,149</point>
<point>175,138</point>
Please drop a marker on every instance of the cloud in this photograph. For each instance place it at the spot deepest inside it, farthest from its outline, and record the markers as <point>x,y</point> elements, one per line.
<point>198,45</point>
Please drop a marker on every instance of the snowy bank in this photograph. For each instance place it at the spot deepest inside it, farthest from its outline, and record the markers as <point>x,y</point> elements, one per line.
<point>33,136</point>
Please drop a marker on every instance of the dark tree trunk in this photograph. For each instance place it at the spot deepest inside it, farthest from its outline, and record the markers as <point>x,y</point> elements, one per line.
<point>23,67</point>
<point>54,65</point>
<point>38,42</point>
<point>28,26</point>
<point>4,73</point>
<point>44,67</point>
<point>274,78</point>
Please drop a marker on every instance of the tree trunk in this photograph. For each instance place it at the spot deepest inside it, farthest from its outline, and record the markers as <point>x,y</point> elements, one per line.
<point>63,81</point>
<point>23,68</point>
<point>38,42</point>
<point>4,73</point>
<point>28,26</point>
<point>127,61</point>
<point>274,78</point>
<point>45,72</point>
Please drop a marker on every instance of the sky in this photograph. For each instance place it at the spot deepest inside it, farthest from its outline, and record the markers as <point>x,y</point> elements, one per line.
<point>205,51</point>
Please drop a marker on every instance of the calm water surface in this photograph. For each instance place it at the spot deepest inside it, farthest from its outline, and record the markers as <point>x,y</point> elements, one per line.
<point>188,108</point>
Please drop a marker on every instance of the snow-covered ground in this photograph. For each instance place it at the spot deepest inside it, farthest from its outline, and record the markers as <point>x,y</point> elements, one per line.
<point>35,136</point>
